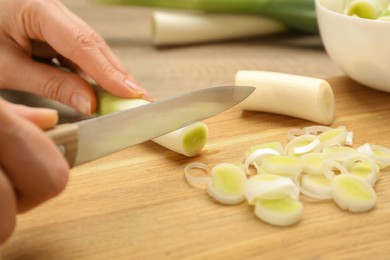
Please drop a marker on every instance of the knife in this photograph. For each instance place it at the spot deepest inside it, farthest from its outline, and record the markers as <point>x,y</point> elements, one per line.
<point>94,138</point>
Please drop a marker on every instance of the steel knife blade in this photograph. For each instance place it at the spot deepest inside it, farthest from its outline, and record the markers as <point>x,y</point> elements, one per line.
<point>97,137</point>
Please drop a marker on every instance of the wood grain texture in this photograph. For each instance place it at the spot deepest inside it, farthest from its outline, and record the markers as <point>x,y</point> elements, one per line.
<point>135,204</point>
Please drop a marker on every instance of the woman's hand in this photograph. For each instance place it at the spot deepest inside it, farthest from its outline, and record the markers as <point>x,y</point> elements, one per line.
<point>44,29</point>
<point>32,169</point>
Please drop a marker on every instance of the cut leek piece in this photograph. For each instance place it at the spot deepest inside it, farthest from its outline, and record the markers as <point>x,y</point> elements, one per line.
<point>196,179</point>
<point>294,133</point>
<point>189,140</point>
<point>312,163</point>
<point>174,28</point>
<point>108,103</point>
<point>256,156</point>
<point>385,15</point>
<point>227,183</point>
<point>302,145</point>
<point>282,212</point>
<point>282,165</point>
<point>369,9</point>
<point>335,136</point>
<point>316,186</point>
<point>269,187</point>
<point>272,145</point>
<point>192,139</point>
<point>380,154</point>
<point>338,153</point>
<point>363,167</point>
<point>302,97</point>
<point>353,193</point>
<point>332,168</point>
<point>316,129</point>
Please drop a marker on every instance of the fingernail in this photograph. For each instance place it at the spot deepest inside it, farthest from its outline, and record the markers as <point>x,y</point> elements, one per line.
<point>136,88</point>
<point>148,97</point>
<point>81,103</point>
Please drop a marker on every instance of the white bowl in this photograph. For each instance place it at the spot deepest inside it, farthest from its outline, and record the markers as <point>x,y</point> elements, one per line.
<point>361,47</point>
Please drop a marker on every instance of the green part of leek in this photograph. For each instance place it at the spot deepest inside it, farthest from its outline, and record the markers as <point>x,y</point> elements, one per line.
<point>296,14</point>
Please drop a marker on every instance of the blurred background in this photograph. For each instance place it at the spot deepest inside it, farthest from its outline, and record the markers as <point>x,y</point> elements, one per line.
<point>170,70</point>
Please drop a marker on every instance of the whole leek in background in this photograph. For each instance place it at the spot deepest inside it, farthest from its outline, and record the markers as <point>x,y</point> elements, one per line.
<point>296,14</point>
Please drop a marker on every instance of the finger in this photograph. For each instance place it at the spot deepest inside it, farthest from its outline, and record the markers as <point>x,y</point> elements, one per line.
<point>75,68</point>
<point>75,40</point>
<point>22,73</point>
<point>44,118</point>
<point>30,160</point>
<point>8,208</point>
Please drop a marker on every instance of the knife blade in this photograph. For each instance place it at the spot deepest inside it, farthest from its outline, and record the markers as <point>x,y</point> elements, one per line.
<point>94,138</point>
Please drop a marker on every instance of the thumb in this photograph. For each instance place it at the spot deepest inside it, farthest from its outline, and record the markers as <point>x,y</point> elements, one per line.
<point>44,118</point>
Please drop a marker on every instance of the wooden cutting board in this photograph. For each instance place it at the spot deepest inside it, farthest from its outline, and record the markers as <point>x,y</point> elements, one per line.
<point>135,204</point>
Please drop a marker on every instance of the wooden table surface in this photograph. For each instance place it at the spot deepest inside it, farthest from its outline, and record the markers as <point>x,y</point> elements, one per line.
<point>135,204</point>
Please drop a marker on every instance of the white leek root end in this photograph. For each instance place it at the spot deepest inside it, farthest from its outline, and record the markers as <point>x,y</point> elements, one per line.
<point>302,97</point>
<point>174,28</point>
<point>353,193</point>
<point>282,212</point>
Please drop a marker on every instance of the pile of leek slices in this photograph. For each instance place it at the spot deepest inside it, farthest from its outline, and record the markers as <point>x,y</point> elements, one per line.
<point>318,162</point>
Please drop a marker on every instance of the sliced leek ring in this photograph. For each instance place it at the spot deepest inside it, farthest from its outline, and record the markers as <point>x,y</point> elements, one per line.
<point>282,212</point>
<point>227,183</point>
<point>301,145</point>
<point>380,154</point>
<point>353,193</point>
<point>312,163</point>
<point>269,187</point>
<point>316,187</point>
<point>282,165</point>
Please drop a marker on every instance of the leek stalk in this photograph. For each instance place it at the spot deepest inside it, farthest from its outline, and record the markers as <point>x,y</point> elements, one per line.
<point>296,14</point>
<point>177,28</point>
<point>189,140</point>
<point>303,97</point>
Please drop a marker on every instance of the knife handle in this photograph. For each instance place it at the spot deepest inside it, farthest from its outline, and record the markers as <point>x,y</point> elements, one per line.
<point>65,136</point>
